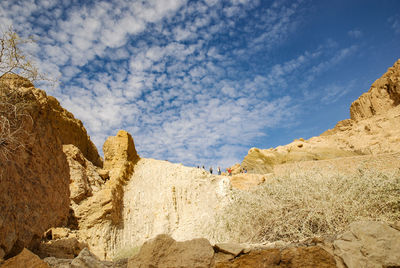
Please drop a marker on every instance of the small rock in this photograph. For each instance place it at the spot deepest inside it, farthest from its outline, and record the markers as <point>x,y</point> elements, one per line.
<point>104,174</point>
<point>25,259</point>
<point>163,252</point>
<point>229,248</point>
<point>87,260</point>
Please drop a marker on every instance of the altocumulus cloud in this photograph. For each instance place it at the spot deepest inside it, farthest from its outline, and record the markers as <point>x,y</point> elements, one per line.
<point>192,81</point>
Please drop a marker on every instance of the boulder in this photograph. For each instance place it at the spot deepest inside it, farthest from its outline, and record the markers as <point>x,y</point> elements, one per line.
<point>163,251</point>
<point>297,257</point>
<point>369,244</point>
<point>246,181</point>
<point>64,248</point>
<point>229,248</point>
<point>25,259</point>
<point>85,259</point>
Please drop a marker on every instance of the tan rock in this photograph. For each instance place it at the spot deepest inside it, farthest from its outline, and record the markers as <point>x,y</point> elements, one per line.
<point>97,203</point>
<point>369,244</point>
<point>300,257</point>
<point>229,248</point>
<point>57,233</point>
<point>65,127</point>
<point>25,259</point>
<point>374,128</point>
<point>163,251</point>
<point>86,259</point>
<point>246,181</point>
<point>383,95</point>
<point>84,176</point>
<point>119,149</point>
<point>34,178</point>
<point>64,248</point>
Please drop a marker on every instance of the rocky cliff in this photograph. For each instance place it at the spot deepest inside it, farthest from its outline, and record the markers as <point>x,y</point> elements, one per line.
<point>383,95</point>
<point>374,128</point>
<point>140,199</point>
<point>34,172</point>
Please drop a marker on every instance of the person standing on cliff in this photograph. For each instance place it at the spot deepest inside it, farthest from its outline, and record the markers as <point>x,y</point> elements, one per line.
<point>219,171</point>
<point>211,170</point>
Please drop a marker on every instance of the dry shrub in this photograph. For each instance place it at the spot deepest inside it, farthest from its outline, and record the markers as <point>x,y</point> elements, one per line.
<point>13,119</point>
<point>309,204</point>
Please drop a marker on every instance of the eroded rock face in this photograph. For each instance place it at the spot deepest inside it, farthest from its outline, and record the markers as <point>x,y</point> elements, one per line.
<point>369,244</point>
<point>34,172</point>
<point>374,128</point>
<point>34,177</point>
<point>383,95</point>
<point>163,252</point>
<point>162,197</point>
<point>97,194</point>
<point>85,178</point>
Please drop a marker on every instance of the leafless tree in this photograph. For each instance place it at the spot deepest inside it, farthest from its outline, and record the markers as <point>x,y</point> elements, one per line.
<point>13,109</point>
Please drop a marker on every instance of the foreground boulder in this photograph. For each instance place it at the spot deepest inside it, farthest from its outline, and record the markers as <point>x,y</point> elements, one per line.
<point>163,252</point>
<point>369,244</point>
<point>298,257</point>
<point>25,259</point>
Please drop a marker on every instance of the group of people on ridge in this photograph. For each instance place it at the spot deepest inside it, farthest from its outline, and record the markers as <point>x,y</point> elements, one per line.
<point>229,170</point>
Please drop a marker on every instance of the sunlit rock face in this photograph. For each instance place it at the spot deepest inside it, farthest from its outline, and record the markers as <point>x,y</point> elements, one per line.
<point>383,95</point>
<point>374,128</point>
<point>141,198</point>
<point>34,172</point>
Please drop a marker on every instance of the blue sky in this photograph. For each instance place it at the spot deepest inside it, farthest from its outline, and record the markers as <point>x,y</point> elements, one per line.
<point>201,82</point>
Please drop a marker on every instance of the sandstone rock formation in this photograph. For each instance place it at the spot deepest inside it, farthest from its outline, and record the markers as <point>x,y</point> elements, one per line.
<point>164,252</point>
<point>298,257</point>
<point>166,198</point>
<point>141,199</point>
<point>84,259</point>
<point>25,259</point>
<point>65,127</point>
<point>369,244</point>
<point>34,177</point>
<point>383,95</point>
<point>97,202</point>
<point>374,128</point>
<point>246,181</point>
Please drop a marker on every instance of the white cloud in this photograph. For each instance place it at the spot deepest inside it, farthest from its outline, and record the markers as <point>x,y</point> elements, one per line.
<point>395,23</point>
<point>161,69</point>
<point>355,33</point>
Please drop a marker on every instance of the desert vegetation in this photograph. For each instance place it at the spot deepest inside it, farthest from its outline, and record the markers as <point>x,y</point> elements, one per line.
<point>13,112</point>
<point>308,204</point>
<point>13,119</point>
